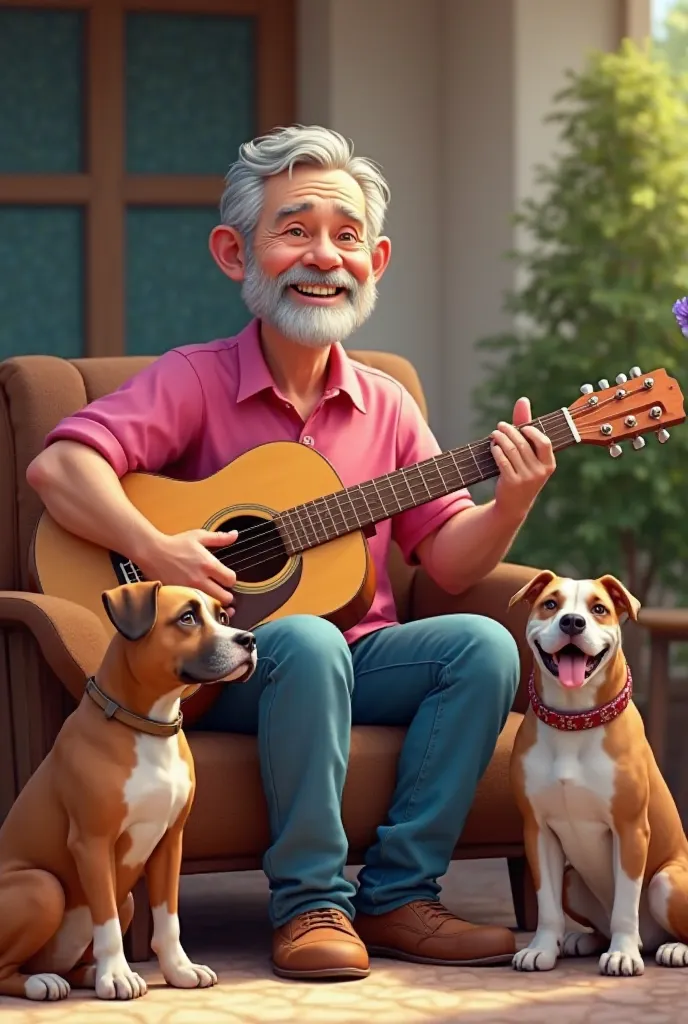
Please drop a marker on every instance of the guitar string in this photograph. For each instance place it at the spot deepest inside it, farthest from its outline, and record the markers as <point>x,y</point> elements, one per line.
<point>272,548</point>
<point>484,461</point>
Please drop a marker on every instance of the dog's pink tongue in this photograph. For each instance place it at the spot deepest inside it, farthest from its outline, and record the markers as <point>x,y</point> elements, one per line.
<point>572,670</point>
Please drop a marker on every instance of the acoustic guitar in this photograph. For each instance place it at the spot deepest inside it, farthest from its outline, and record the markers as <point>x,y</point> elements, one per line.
<point>302,536</point>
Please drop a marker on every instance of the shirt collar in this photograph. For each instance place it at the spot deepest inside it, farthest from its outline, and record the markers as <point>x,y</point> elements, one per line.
<point>255,376</point>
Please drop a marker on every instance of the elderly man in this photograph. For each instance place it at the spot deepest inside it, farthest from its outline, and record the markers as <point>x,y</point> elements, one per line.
<point>301,230</point>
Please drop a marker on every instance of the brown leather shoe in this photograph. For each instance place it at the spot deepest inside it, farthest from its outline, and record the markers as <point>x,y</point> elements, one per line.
<point>319,944</point>
<point>426,933</point>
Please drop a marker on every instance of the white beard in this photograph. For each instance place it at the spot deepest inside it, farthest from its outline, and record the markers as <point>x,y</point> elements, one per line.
<point>269,299</point>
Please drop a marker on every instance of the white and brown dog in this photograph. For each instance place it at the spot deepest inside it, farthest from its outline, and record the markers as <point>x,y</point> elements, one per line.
<point>590,791</point>
<point>109,803</point>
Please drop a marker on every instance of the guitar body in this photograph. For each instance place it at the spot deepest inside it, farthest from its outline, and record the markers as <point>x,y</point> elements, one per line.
<point>335,580</point>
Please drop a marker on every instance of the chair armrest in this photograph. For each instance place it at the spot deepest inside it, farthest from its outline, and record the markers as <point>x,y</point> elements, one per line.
<point>489,597</point>
<point>71,638</point>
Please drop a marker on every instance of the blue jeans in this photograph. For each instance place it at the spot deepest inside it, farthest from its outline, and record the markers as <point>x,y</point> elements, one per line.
<point>451,680</point>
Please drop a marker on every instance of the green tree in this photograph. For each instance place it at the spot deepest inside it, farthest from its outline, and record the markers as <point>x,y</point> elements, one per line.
<point>672,43</point>
<point>607,258</point>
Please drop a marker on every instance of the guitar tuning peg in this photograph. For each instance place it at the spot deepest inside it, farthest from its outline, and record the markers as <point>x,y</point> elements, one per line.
<point>621,378</point>
<point>638,443</point>
<point>663,436</point>
<point>603,384</point>
<point>635,371</point>
<point>586,389</point>
<point>615,450</point>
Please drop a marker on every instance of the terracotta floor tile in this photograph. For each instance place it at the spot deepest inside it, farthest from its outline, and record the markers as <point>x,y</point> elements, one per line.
<point>225,924</point>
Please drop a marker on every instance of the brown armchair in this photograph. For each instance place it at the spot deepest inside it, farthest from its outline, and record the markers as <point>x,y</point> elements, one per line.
<point>50,646</point>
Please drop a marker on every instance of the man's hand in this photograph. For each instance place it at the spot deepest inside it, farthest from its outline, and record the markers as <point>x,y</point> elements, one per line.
<point>184,560</point>
<point>525,461</point>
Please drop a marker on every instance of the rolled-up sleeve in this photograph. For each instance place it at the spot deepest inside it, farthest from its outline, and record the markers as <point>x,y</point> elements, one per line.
<point>415,442</point>
<point>147,424</point>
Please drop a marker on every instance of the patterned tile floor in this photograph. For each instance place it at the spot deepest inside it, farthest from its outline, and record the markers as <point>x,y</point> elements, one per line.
<point>224,924</point>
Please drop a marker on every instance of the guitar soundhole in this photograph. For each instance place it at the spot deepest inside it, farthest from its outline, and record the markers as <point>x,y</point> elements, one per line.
<point>258,554</point>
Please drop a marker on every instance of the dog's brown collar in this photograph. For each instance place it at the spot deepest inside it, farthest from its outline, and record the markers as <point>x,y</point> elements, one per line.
<point>574,721</point>
<point>112,709</point>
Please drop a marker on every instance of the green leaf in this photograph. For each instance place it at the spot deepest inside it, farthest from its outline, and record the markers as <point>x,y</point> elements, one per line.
<point>607,257</point>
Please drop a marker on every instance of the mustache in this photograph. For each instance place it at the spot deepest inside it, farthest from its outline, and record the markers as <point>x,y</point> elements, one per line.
<point>307,275</point>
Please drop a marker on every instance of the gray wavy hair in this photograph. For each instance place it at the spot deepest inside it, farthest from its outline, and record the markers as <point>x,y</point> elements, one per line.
<point>282,150</point>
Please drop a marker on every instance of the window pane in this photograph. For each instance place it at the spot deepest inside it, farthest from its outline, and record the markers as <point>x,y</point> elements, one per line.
<point>176,295</point>
<point>190,92</point>
<point>41,281</point>
<point>41,97</point>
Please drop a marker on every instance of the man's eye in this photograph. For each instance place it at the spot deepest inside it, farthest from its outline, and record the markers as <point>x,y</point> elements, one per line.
<point>296,232</point>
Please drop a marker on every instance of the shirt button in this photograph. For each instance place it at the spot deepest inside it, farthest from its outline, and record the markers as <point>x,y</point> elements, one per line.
<point>309,440</point>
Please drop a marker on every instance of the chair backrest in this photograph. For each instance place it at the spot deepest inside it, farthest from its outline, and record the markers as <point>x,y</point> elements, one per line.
<point>36,392</point>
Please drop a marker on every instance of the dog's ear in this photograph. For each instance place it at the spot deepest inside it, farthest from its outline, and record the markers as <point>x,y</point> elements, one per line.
<point>624,601</point>
<point>532,590</point>
<point>133,608</point>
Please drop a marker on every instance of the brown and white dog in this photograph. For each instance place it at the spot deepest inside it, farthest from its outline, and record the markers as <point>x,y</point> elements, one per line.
<point>109,803</point>
<point>591,793</point>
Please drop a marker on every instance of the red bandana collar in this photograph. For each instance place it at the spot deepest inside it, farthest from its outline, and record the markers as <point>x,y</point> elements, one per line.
<point>575,721</point>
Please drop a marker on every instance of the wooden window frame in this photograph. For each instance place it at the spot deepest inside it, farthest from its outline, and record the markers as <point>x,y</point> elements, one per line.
<point>105,190</point>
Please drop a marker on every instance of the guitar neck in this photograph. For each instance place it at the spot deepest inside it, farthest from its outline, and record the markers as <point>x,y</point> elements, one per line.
<point>355,508</point>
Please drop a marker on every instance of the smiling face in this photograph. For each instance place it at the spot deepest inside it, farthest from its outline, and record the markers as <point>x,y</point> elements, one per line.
<point>574,625</point>
<point>310,270</point>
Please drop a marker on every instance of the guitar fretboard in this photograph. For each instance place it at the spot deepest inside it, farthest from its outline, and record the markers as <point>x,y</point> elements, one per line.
<point>355,508</point>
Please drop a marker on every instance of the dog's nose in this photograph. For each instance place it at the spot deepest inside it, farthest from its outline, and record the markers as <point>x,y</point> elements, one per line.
<point>246,640</point>
<point>572,625</point>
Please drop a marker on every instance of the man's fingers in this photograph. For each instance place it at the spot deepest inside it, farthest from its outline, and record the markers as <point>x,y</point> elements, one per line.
<point>512,448</point>
<point>216,539</point>
<point>213,589</point>
<point>541,443</point>
<point>505,467</point>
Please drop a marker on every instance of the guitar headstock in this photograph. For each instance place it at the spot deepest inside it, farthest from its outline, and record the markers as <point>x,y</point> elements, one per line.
<point>636,404</point>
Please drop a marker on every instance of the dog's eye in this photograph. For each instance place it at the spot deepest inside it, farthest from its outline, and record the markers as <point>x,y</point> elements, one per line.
<point>550,604</point>
<point>599,609</point>
<point>223,618</point>
<point>187,619</point>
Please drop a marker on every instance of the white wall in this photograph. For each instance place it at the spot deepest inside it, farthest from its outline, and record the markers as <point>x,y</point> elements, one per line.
<point>449,96</point>
<point>380,86</point>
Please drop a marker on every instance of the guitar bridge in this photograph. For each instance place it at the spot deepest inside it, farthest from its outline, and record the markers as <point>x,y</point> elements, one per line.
<point>125,570</point>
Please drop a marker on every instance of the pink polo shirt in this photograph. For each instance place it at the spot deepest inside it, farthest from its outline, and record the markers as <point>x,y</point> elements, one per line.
<point>197,408</point>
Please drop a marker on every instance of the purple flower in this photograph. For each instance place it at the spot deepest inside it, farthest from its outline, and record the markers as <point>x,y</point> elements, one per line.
<point>680,311</point>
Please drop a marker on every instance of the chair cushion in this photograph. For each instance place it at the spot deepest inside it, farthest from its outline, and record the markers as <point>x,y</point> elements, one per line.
<point>229,817</point>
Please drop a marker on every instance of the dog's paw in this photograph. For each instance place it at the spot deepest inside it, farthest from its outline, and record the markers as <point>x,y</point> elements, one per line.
<point>672,954</point>
<point>534,959</point>
<point>46,987</point>
<point>116,980</point>
<point>188,975</point>
<point>582,944</point>
<point>617,964</point>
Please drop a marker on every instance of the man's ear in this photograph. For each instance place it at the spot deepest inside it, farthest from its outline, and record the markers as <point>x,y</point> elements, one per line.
<point>532,590</point>
<point>133,608</point>
<point>624,601</point>
<point>228,249</point>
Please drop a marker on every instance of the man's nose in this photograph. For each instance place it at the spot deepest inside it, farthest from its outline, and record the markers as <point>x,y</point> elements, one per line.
<point>572,625</point>
<point>323,254</point>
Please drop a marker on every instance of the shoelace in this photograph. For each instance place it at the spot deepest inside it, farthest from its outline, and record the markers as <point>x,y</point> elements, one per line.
<point>434,912</point>
<point>324,917</point>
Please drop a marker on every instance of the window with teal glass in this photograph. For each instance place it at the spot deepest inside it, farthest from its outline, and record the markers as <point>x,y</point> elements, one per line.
<point>190,92</point>
<point>176,295</point>
<point>41,97</point>
<point>41,284</point>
